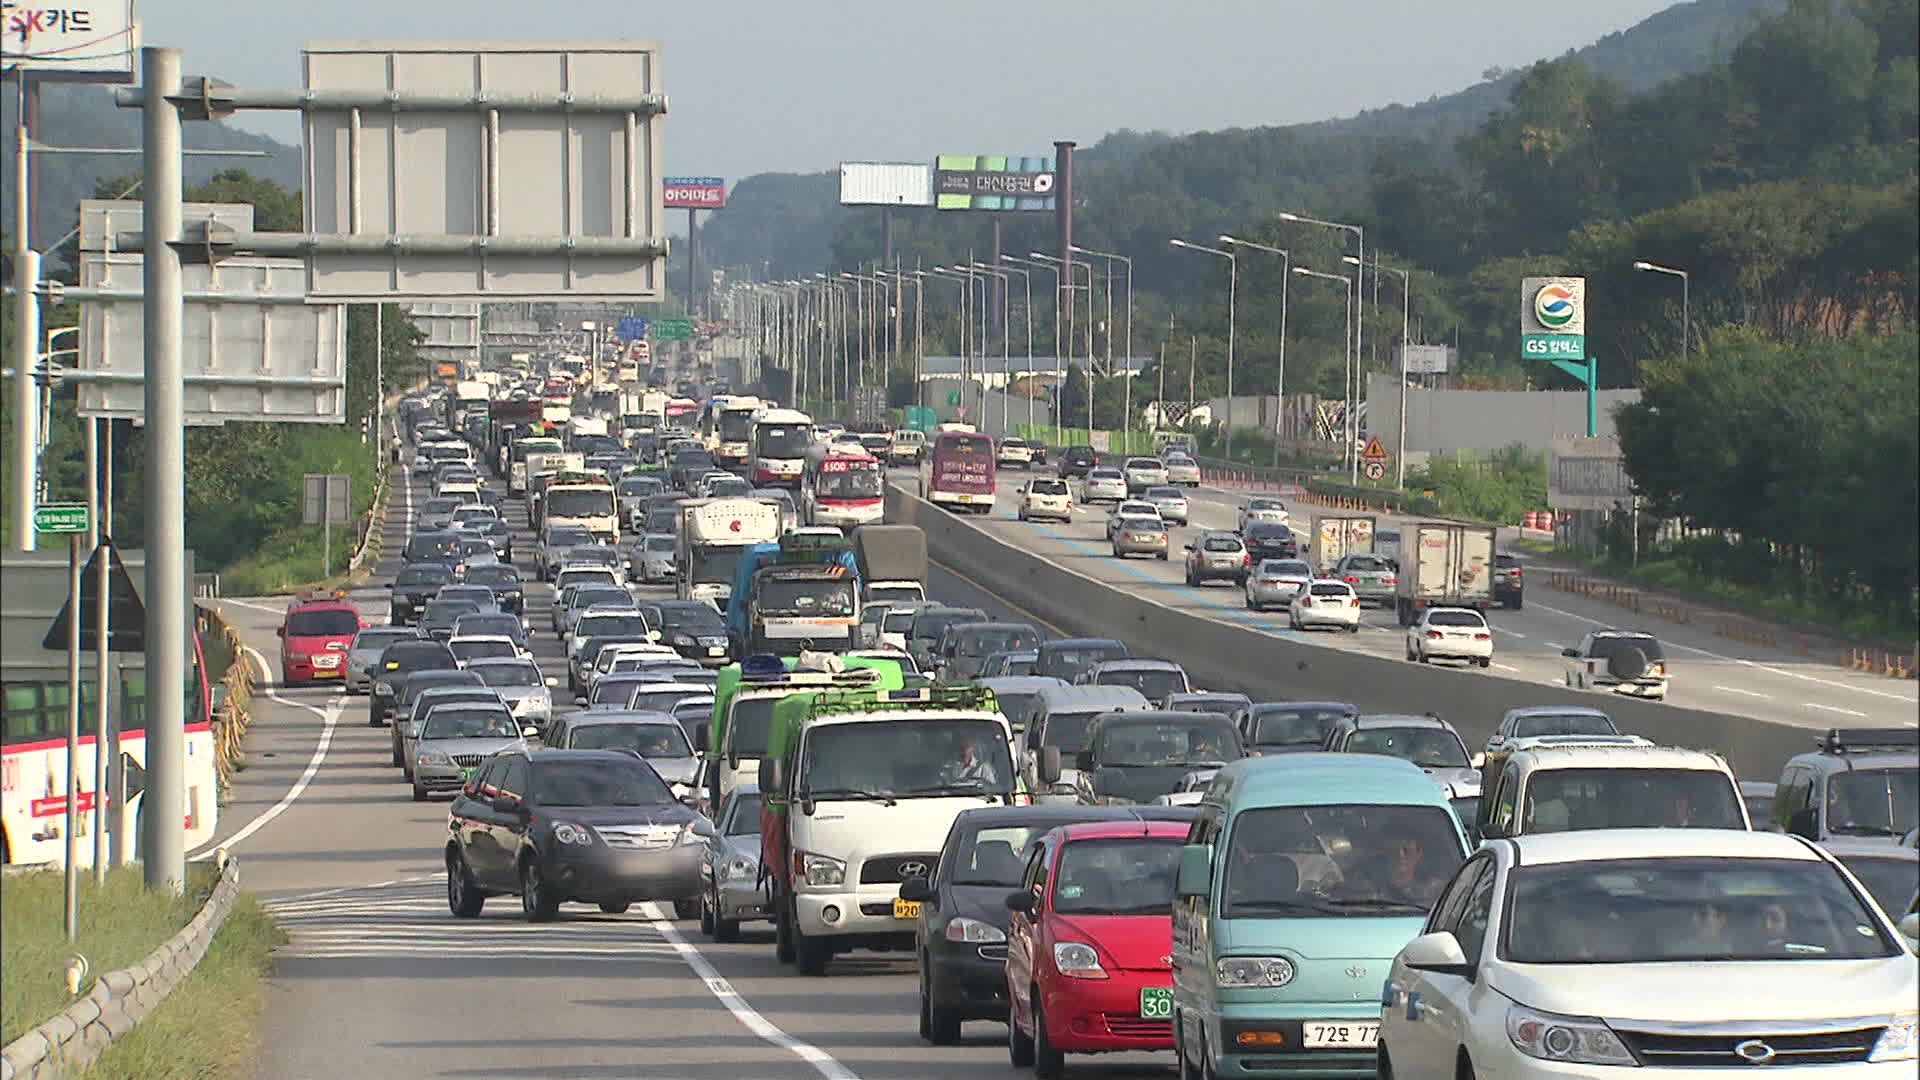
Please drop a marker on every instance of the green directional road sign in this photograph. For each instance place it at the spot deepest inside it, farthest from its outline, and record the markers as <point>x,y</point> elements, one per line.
<point>62,518</point>
<point>671,329</point>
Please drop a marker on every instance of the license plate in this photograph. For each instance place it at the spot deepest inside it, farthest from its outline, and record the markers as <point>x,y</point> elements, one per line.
<point>323,673</point>
<point>1156,1003</point>
<point>1359,1034</point>
<point>906,909</point>
<point>716,650</point>
<point>467,774</point>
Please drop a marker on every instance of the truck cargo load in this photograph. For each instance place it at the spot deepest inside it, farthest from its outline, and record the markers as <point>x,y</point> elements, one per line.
<point>1444,564</point>
<point>712,535</point>
<point>1335,536</point>
<point>892,561</point>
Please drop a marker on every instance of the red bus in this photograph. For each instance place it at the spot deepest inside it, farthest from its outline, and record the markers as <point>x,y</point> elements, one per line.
<point>841,487</point>
<point>958,471</point>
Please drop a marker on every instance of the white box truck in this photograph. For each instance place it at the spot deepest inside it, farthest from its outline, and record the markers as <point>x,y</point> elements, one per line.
<point>711,536</point>
<point>1335,536</point>
<point>1444,564</point>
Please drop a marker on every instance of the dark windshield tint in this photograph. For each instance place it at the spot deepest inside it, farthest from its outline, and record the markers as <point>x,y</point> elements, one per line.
<point>1222,543</point>
<point>1429,748</point>
<point>426,546</point>
<point>504,625</point>
<point>450,723</point>
<point>568,536</point>
<point>1339,860</point>
<point>597,782</point>
<point>1123,876</point>
<point>1456,618</point>
<point>988,642</point>
<point>1013,706</point>
<point>527,674</point>
<point>1285,568</point>
<point>1891,881</point>
<point>380,638</point>
<point>1294,727</point>
<point>649,740</point>
<point>1166,743</point>
<point>1563,724</point>
<point>996,855</point>
<point>746,816</point>
<point>1606,646</point>
<point>823,597</point>
<point>418,656</point>
<point>1068,731</point>
<point>1049,487</point>
<point>494,577</point>
<point>1368,564</point>
<point>1153,683</point>
<point>1562,800</point>
<point>1873,802</point>
<point>334,623</point>
<point>611,625</point>
<point>1685,910</point>
<point>424,574</point>
<point>644,698</point>
<point>748,722</point>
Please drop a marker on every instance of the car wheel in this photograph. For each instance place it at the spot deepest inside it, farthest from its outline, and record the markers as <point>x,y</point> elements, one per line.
<point>537,902</point>
<point>810,954</point>
<point>782,933</point>
<point>1486,661</point>
<point>1382,1064</point>
<point>1163,556</point>
<point>1424,658</point>
<point>1409,652</point>
<point>686,909</point>
<point>942,1024</point>
<point>724,930</point>
<point>615,907</point>
<point>419,793</point>
<point>1354,629</point>
<point>463,898</point>
<point>1048,1063</point>
<point>706,914</point>
<point>1019,1045</point>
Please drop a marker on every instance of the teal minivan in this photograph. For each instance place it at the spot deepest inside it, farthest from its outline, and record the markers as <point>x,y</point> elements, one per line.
<point>1302,877</point>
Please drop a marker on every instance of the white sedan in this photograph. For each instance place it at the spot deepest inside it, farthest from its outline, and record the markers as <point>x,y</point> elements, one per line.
<point>1272,511</point>
<point>1325,603</point>
<point>1637,953</point>
<point>1103,484</point>
<point>1447,633</point>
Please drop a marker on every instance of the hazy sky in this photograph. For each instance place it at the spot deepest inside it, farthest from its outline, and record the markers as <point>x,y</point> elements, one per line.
<point>757,86</point>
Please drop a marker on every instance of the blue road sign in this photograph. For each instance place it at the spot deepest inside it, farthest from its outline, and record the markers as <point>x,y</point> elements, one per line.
<point>632,327</point>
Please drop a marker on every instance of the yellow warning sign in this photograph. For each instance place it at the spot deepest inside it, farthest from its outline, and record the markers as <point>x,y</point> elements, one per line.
<point>1375,451</point>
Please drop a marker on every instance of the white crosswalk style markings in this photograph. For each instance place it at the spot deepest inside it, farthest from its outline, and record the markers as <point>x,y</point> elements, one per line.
<point>410,920</point>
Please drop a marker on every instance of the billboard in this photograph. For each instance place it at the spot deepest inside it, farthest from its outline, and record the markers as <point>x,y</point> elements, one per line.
<point>1587,474</point>
<point>1427,359</point>
<point>693,193</point>
<point>1553,318</point>
<point>988,182</point>
<point>885,183</point>
<point>74,41</point>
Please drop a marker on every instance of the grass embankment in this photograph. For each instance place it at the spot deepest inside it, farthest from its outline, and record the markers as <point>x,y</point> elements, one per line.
<point>297,555</point>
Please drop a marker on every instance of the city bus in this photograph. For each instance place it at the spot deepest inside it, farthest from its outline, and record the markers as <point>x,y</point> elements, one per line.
<point>781,438</point>
<point>957,471</point>
<point>33,761</point>
<point>841,486</point>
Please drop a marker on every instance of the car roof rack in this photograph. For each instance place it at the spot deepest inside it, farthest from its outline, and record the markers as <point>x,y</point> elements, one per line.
<point>1855,740</point>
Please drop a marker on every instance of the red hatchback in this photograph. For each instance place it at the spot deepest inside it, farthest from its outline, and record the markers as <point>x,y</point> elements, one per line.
<point>315,637</point>
<point>1090,943</point>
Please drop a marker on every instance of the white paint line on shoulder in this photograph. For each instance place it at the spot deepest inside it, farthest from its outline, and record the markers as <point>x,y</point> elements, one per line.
<point>329,716</point>
<point>823,1063</point>
<point>1744,693</point>
<point>1830,708</point>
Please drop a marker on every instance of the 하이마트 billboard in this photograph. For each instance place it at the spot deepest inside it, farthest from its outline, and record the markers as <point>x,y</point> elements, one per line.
<point>693,192</point>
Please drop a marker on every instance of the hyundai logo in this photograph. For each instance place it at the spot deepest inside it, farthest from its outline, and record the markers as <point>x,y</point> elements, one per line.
<point>1755,1052</point>
<point>1356,972</point>
<point>916,868</point>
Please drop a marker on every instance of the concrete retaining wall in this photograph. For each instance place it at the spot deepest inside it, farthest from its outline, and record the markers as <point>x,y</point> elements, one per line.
<point>1221,656</point>
<point>119,1000</point>
<point>1448,420</point>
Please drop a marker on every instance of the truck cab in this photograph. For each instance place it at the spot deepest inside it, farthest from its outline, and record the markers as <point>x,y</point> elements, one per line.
<point>802,592</point>
<point>744,697</point>
<point>710,539</point>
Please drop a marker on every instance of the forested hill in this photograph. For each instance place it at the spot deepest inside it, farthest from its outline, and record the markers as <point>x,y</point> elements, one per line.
<point>785,223</point>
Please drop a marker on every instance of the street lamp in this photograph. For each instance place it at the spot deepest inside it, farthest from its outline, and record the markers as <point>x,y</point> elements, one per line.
<point>1233,282</point>
<point>1686,301</point>
<point>1026,280</point>
<point>1406,328</point>
<point>1357,316</point>
<point>1069,289</point>
<point>1127,259</point>
<point>1280,379</point>
<point>1006,363</point>
<point>1348,427</point>
<point>919,301</point>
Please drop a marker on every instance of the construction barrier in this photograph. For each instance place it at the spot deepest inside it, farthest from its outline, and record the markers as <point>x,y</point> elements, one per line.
<point>236,699</point>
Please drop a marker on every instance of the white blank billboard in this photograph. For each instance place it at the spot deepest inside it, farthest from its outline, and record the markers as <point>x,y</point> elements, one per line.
<point>885,183</point>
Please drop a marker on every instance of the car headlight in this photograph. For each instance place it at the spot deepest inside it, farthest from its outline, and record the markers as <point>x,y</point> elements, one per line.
<point>572,834</point>
<point>974,932</point>
<point>1551,1037</point>
<point>383,689</point>
<point>683,639</point>
<point>1231,972</point>
<point>1899,1041</point>
<point>1077,960</point>
<point>434,757</point>
<point>740,867</point>
<point>821,869</point>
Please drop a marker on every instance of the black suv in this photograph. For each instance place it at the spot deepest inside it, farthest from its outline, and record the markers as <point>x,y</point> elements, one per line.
<point>1076,460</point>
<point>401,659</point>
<point>416,586</point>
<point>554,826</point>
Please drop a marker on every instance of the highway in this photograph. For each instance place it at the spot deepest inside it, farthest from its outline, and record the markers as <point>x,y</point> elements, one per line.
<point>1709,672</point>
<point>380,976</point>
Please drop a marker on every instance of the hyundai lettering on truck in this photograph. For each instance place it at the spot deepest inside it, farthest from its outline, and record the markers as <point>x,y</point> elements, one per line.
<point>841,487</point>
<point>1444,564</point>
<point>733,431</point>
<point>958,472</point>
<point>780,441</point>
<point>711,536</point>
<point>860,789</point>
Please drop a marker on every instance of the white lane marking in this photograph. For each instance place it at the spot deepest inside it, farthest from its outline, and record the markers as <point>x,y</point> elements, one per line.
<point>1737,690</point>
<point>1830,708</point>
<point>268,608</point>
<point>1751,663</point>
<point>1554,645</point>
<point>1509,633</point>
<point>329,716</point>
<point>1506,667</point>
<point>823,1063</point>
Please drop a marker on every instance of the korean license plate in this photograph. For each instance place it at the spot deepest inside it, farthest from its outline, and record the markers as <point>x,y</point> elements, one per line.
<point>1354,1034</point>
<point>1156,1003</point>
<point>906,909</point>
<point>716,650</point>
<point>467,774</point>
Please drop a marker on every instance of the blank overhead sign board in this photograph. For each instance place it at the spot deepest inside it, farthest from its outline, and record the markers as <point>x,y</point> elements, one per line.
<point>510,142</point>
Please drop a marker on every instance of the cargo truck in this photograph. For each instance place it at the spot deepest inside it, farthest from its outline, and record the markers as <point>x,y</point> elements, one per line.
<point>518,453</point>
<point>710,537</point>
<point>859,789</point>
<point>743,699</point>
<point>1444,564</point>
<point>1336,536</point>
<point>892,561</point>
<point>802,592</point>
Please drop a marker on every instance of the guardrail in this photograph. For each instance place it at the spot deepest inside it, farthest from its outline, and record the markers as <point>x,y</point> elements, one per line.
<point>230,720</point>
<point>119,1000</point>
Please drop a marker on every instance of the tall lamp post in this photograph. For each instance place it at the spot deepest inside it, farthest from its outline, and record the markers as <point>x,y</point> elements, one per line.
<point>1069,289</point>
<point>1037,264</point>
<point>1356,316</point>
<point>1686,301</point>
<point>1349,429</point>
<point>1026,280</point>
<point>1406,328</point>
<point>1006,350</point>
<point>1280,379</point>
<point>1233,282</point>
<point>1112,257</point>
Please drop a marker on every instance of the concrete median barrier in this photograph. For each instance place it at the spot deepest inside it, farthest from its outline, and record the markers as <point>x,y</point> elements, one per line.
<point>1221,656</point>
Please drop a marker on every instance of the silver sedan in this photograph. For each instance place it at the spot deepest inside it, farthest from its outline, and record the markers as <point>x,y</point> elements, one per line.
<point>1170,501</point>
<point>1275,582</point>
<point>1138,535</point>
<point>1103,484</point>
<point>730,867</point>
<point>1183,470</point>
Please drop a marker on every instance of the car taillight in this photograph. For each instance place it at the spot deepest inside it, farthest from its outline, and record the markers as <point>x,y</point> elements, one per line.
<point>1433,633</point>
<point>1269,581</point>
<point>1306,601</point>
<point>1483,637</point>
<point>1389,581</point>
<point>1589,667</point>
<point>1246,558</point>
<point>1351,580</point>
<point>1516,571</point>
<point>1354,602</point>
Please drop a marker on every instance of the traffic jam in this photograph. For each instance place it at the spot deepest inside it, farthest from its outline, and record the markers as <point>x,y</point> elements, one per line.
<point>665,650</point>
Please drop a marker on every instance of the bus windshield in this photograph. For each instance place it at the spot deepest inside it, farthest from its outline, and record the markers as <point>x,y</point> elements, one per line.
<point>848,484</point>
<point>735,425</point>
<point>579,502</point>
<point>783,440</point>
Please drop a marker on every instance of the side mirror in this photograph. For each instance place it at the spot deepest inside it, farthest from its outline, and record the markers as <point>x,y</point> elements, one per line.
<point>1049,765</point>
<point>1023,902</point>
<point>1196,871</point>
<point>1083,761</point>
<point>1438,952</point>
<point>1804,822</point>
<point>772,775</point>
<point>579,701</point>
<point>281,630</point>
<point>1478,761</point>
<point>1492,830</point>
<point>1569,652</point>
<point>507,804</point>
<point>916,889</point>
<point>552,681</point>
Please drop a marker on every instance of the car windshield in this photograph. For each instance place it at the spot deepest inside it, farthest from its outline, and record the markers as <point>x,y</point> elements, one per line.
<point>644,698</point>
<point>423,547</point>
<point>447,612</point>
<point>716,565</point>
<point>1159,743</point>
<point>1221,543</point>
<point>525,674</point>
<point>648,740</point>
<point>988,642</point>
<point>698,619</point>
<point>1067,664</point>
<point>1294,727</point>
<point>1153,683</point>
<point>1686,910</point>
<point>747,725</point>
<point>416,656</point>
<point>900,759</point>
<point>1368,564</point>
<point>1266,504</point>
<point>597,781</point>
<point>1537,724</point>
<point>1565,800</point>
<point>1873,802</point>
<point>1166,493</point>
<point>1020,663</point>
<point>638,485</point>
<point>1429,748</point>
<point>814,596</point>
<point>929,625</point>
<point>897,622</point>
<point>494,577</point>
<point>746,816</point>
<point>1339,860</point>
<point>441,504</point>
<point>1104,474</point>
<point>662,544</point>
<point>483,650</point>
<point>1285,568</point>
<point>593,555</point>
<point>451,723</point>
<point>1144,463</point>
<point>661,521</point>
<point>330,623</point>
<point>378,638</point>
<point>1456,618</point>
<point>1268,532</point>
<point>423,574</point>
<point>1013,705</point>
<point>597,594</point>
<point>1332,588</point>
<point>1131,875</point>
<point>598,625</point>
<point>1049,487</point>
<point>504,625</point>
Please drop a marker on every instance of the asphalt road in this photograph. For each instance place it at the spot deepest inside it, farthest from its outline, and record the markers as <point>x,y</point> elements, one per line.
<point>380,980</point>
<point>1709,672</point>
